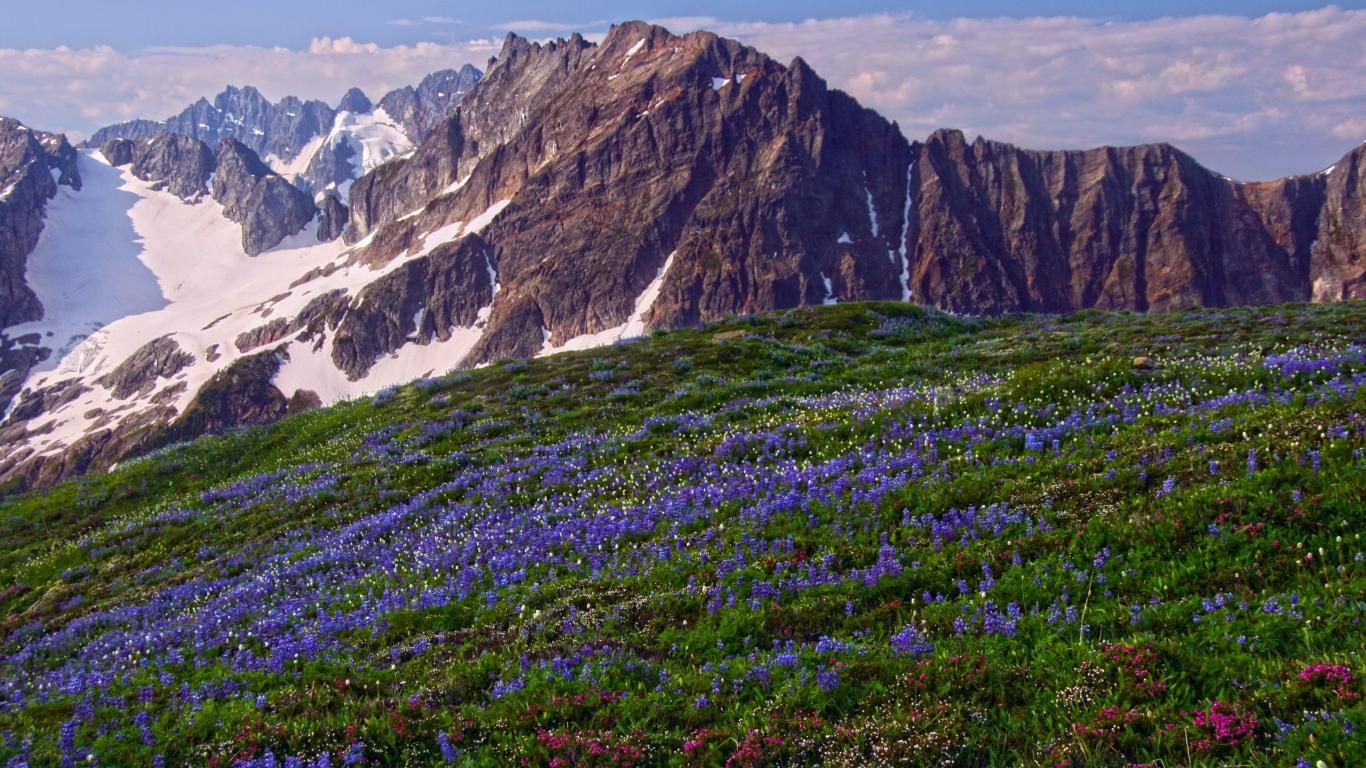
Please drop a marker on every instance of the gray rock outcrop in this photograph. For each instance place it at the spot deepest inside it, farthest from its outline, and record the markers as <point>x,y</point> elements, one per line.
<point>267,206</point>
<point>119,152</point>
<point>419,110</point>
<point>332,217</point>
<point>160,358</point>
<point>179,164</point>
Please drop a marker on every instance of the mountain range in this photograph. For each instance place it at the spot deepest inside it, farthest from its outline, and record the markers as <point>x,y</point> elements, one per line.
<point>243,260</point>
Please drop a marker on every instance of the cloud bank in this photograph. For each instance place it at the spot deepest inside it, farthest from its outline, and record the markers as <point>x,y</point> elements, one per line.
<point>1251,97</point>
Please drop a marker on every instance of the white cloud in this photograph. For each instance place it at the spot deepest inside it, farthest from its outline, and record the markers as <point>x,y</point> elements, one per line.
<point>1253,98</point>
<point>406,22</point>
<point>1352,129</point>
<point>539,26</point>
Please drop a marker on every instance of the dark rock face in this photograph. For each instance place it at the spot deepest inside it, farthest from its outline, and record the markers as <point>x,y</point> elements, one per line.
<point>418,110</point>
<point>1337,268</point>
<point>160,358</point>
<point>25,187</point>
<point>15,363</point>
<point>268,207</point>
<point>45,400</point>
<point>239,395</point>
<point>332,217</point>
<point>333,165</point>
<point>423,301</point>
<point>356,101</point>
<point>32,165</point>
<point>182,165</point>
<point>97,450</point>
<point>281,129</point>
<point>118,152</point>
<point>323,312</point>
<point>61,158</point>
<point>998,229</point>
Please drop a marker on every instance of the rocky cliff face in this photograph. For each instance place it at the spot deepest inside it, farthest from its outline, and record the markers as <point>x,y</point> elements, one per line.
<point>25,187</point>
<point>32,166</point>
<point>268,207</point>
<point>1337,264</point>
<point>771,190</point>
<point>118,152</point>
<point>332,217</point>
<point>180,164</point>
<point>355,100</point>
<point>999,229</point>
<point>420,109</point>
<point>423,301</point>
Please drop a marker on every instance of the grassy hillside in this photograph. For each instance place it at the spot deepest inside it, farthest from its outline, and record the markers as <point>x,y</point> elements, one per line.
<point>853,535</point>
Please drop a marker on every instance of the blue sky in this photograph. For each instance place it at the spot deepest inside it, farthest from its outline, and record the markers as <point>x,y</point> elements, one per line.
<point>1251,88</point>
<point>292,23</point>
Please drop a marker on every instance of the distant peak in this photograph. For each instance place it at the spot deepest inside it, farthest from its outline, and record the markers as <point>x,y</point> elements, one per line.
<point>355,101</point>
<point>513,44</point>
<point>632,33</point>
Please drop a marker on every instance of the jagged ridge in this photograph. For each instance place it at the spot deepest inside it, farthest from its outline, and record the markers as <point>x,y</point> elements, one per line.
<point>773,190</point>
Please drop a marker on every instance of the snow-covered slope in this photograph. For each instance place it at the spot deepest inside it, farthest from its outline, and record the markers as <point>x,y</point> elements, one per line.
<point>120,264</point>
<point>356,144</point>
<point>372,138</point>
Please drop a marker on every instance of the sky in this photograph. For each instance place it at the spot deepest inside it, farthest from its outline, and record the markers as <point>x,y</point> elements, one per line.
<point>1251,88</point>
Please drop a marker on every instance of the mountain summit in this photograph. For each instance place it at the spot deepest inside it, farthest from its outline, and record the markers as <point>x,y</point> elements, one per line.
<point>760,187</point>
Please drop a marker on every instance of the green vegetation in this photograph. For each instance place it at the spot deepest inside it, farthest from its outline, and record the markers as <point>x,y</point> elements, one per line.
<point>856,535</point>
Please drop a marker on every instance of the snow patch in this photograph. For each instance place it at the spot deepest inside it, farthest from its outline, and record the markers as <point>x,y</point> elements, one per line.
<point>457,185</point>
<point>374,138</point>
<point>717,83</point>
<point>845,239</point>
<point>493,273</point>
<point>829,291</point>
<point>634,325</point>
<point>905,233</point>
<point>478,223</point>
<point>296,165</point>
<point>872,211</point>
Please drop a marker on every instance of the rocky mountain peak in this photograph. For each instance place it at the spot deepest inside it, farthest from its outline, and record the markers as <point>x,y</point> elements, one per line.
<point>33,164</point>
<point>355,101</point>
<point>243,113</point>
<point>419,109</point>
